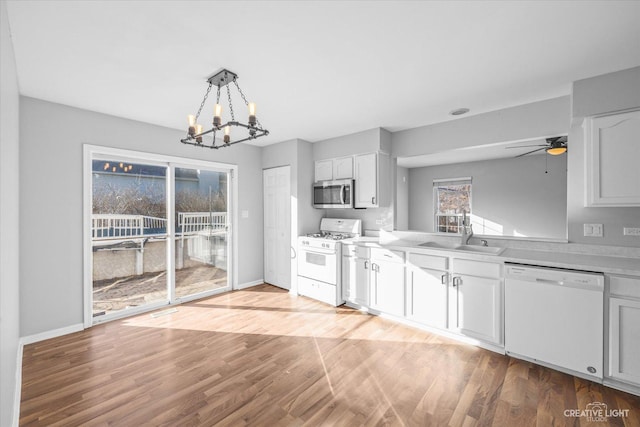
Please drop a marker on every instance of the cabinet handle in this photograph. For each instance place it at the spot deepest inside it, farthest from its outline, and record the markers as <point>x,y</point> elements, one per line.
<point>443,279</point>
<point>457,281</point>
<point>373,200</point>
<point>366,265</point>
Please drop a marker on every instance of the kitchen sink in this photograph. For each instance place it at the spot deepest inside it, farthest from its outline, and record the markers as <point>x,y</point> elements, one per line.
<point>488,250</point>
<point>491,250</point>
<point>438,245</point>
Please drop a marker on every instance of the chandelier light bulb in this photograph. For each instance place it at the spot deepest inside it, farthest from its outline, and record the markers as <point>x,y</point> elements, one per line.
<point>198,132</point>
<point>217,114</point>
<point>227,134</point>
<point>252,113</point>
<point>192,122</point>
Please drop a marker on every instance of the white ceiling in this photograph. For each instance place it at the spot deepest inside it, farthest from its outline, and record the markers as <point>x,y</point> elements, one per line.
<point>317,69</point>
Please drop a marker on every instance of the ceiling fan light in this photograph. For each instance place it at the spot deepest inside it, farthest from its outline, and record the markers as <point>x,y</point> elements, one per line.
<point>556,151</point>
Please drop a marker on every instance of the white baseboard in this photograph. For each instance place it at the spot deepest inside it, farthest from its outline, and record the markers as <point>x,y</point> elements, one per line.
<point>249,284</point>
<point>54,333</point>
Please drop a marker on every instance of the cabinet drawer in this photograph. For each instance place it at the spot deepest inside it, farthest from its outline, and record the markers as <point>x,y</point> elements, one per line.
<point>349,250</point>
<point>387,255</point>
<point>428,261</point>
<point>624,286</point>
<point>477,268</point>
<point>320,291</point>
<point>362,251</point>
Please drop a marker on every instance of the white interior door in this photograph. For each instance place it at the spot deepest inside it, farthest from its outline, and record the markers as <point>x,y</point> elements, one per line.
<point>277,226</point>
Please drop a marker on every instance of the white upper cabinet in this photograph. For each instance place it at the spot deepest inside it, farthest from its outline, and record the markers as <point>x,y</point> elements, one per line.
<point>324,170</point>
<point>343,168</point>
<point>612,155</point>
<point>334,169</point>
<point>372,180</point>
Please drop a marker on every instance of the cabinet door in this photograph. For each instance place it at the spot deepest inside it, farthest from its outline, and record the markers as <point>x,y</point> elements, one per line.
<point>324,170</point>
<point>427,296</point>
<point>478,307</point>
<point>348,278</point>
<point>387,286</point>
<point>612,154</point>
<point>343,168</point>
<point>624,339</point>
<point>366,177</point>
<point>362,282</point>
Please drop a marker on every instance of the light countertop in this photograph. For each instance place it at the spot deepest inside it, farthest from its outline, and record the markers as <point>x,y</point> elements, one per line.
<point>569,260</point>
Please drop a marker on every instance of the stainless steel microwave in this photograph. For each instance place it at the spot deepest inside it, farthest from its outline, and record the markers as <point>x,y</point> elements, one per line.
<point>333,194</point>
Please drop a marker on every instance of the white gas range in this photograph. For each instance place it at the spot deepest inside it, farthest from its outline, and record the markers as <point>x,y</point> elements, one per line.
<point>319,259</point>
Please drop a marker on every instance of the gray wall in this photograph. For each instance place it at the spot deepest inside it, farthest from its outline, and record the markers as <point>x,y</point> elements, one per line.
<point>51,139</point>
<point>9,221</point>
<point>368,141</point>
<point>535,120</point>
<point>513,193</point>
<point>599,95</point>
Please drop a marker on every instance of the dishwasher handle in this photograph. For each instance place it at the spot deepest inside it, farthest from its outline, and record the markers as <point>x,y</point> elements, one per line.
<point>550,282</point>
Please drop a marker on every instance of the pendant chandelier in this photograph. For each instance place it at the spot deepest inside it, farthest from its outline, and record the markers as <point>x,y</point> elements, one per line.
<point>223,78</point>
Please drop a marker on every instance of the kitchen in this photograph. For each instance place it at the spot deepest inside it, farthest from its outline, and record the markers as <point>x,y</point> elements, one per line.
<point>390,163</point>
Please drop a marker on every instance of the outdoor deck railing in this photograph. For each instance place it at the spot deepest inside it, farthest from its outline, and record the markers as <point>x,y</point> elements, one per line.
<point>113,226</point>
<point>194,222</point>
<point>109,226</point>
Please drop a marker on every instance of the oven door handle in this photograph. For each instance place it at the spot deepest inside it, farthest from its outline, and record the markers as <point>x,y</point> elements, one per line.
<point>343,194</point>
<point>317,251</point>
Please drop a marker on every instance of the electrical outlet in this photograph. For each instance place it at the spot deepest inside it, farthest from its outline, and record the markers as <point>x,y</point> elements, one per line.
<point>593,230</point>
<point>244,214</point>
<point>379,222</point>
<point>632,231</point>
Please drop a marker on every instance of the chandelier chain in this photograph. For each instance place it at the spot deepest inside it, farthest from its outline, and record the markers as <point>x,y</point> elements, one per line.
<point>244,98</point>
<point>206,95</point>
<point>233,118</point>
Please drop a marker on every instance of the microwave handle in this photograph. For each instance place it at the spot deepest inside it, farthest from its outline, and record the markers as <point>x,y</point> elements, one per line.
<point>343,194</point>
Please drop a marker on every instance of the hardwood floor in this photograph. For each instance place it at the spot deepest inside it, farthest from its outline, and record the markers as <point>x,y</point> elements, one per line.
<point>262,357</point>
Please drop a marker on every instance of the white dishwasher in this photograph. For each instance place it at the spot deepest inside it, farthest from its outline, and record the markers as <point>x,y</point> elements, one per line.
<point>554,317</point>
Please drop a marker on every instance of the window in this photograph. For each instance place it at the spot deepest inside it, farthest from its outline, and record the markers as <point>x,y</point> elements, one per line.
<point>451,197</point>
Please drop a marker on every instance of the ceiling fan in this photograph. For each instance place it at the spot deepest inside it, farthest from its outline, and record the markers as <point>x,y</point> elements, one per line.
<point>554,146</point>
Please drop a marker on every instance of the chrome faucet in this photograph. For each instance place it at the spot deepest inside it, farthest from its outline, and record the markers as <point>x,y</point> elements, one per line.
<point>467,228</point>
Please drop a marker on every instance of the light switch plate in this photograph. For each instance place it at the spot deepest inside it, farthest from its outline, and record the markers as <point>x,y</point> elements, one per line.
<point>244,214</point>
<point>593,230</point>
<point>632,231</point>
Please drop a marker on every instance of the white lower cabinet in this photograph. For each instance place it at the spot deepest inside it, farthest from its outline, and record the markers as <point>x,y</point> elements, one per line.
<point>427,289</point>
<point>355,274</point>
<point>427,296</point>
<point>624,329</point>
<point>387,281</point>
<point>477,301</point>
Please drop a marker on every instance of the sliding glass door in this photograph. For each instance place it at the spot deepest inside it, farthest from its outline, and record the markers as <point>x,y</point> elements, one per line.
<point>158,231</point>
<point>201,229</point>
<point>128,235</point>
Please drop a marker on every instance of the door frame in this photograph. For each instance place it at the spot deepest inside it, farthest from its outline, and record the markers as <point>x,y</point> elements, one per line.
<point>89,152</point>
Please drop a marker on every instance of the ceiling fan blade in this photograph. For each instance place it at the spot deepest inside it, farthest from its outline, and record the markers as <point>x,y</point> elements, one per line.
<point>560,139</point>
<point>524,146</point>
<point>529,152</point>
